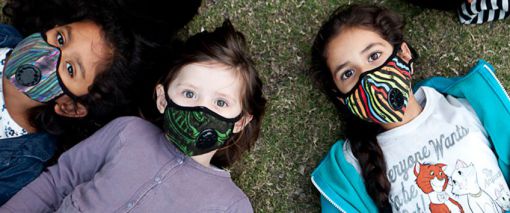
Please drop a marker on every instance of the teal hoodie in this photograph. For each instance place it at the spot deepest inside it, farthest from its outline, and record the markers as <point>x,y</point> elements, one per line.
<point>342,188</point>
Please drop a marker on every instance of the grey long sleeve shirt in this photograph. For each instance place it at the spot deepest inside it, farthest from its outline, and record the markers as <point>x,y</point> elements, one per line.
<point>129,166</point>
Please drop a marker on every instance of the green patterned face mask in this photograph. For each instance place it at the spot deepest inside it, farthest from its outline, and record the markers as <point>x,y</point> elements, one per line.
<point>196,130</point>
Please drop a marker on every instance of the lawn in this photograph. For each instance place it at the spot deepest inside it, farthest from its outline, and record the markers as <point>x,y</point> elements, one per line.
<point>300,124</point>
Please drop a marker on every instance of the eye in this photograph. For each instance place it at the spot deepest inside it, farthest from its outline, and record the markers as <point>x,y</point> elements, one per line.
<point>431,172</point>
<point>221,103</point>
<point>460,173</point>
<point>440,173</point>
<point>454,182</point>
<point>70,69</point>
<point>374,56</point>
<point>188,94</point>
<point>60,39</point>
<point>347,74</point>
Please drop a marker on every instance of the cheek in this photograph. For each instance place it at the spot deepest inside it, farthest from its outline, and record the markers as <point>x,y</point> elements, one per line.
<point>237,110</point>
<point>340,86</point>
<point>65,78</point>
<point>346,87</point>
<point>229,112</point>
<point>77,86</point>
<point>179,99</point>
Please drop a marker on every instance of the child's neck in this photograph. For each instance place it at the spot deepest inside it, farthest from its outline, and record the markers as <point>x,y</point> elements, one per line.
<point>204,159</point>
<point>413,110</point>
<point>17,105</point>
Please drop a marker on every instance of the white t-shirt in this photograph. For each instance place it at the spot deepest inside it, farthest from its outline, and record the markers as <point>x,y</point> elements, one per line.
<point>441,159</point>
<point>8,127</point>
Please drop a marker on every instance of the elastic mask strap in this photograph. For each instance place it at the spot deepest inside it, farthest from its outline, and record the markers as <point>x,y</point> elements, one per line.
<point>414,57</point>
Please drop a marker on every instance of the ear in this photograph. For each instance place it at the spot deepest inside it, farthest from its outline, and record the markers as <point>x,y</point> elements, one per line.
<point>441,165</point>
<point>460,164</point>
<point>405,52</point>
<point>161,98</point>
<point>241,123</point>
<point>67,107</point>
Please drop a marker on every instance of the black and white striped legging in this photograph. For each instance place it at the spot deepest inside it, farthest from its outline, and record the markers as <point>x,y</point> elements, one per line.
<point>480,11</point>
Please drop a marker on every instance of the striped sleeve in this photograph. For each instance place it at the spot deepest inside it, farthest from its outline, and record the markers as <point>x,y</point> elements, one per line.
<point>481,11</point>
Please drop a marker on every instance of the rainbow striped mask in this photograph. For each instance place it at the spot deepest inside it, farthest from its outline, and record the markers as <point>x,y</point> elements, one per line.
<point>381,94</point>
<point>32,69</point>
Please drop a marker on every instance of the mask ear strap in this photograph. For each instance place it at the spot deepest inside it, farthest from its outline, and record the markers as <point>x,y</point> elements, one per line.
<point>414,53</point>
<point>414,57</point>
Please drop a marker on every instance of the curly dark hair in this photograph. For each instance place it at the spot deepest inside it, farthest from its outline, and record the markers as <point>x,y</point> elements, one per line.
<point>140,34</point>
<point>227,46</point>
<point>360,134</point>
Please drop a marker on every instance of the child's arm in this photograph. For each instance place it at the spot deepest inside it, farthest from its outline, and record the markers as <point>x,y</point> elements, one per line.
<point>22,159</point>
<point>76,166</point>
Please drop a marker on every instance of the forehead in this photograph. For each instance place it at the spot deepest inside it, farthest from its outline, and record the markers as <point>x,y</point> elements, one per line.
<point>91,34</point>
<point>85,26</point>
<point>211,76</point>
<point>351,41</point>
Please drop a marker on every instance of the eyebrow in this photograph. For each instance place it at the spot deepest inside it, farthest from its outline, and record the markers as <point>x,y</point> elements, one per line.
<point>370,46</point>
<point>69,33</point>
<point>82,70</point>
<point>186,84</point>
<point>339,67</point>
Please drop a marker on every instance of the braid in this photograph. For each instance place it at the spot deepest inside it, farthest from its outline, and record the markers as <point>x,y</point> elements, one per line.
<point>362,139</point>
<point>371,160</point>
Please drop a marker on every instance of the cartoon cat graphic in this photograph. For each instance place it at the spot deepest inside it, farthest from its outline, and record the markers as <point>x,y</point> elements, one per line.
<point>432,180</point>
<point>465,182</point>
<point>503,198</point>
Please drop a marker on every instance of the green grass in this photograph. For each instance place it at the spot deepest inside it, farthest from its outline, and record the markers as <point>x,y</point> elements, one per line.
<point>300,124</point>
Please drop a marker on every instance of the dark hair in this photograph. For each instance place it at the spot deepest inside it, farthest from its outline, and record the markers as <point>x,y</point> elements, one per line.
<point>227,46</point>
<point>138,38</point>
<point>360,134</point>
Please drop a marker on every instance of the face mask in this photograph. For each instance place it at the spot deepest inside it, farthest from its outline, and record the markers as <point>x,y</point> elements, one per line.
<point>32,69</point>
<point>381,94</point>
<point>196,130</point>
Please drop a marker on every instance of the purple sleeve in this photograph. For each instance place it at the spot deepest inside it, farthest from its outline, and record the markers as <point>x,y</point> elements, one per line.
<point>241,206</point>
<point>76,166</point>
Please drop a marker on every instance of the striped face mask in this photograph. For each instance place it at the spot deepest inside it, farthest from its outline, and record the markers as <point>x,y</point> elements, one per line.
<point>381,94</point>
<point>32,69</point>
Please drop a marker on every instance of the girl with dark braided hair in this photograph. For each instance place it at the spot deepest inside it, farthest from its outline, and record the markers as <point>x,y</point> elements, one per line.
<point>424,150</point>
